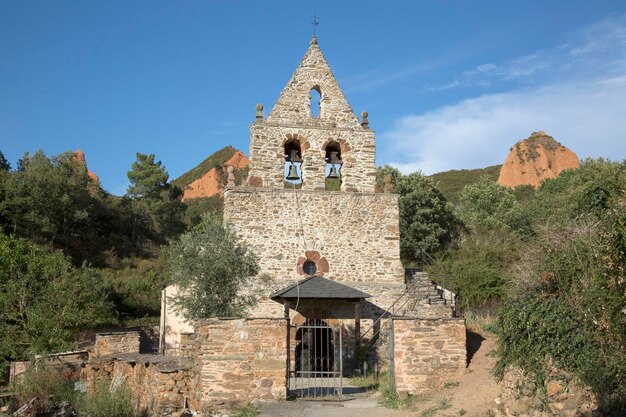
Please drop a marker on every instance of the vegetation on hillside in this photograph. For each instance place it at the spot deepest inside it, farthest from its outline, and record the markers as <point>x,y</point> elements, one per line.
<point>215,160</point>
<point>451,183</point>
<point>73,257</point>
<point>548,262</point>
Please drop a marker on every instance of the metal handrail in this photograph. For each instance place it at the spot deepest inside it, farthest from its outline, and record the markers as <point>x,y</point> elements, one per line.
<point>404,294</point>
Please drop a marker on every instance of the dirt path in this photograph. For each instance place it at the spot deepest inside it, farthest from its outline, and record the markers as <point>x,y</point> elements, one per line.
<point>472,395</point>
<point>476,389</point>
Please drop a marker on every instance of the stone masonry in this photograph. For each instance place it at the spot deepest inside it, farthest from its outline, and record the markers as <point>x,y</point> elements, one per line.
<point>237,362</point>
<point>116,342</point>
<point>357,233</point>
<point>290,119</point>
<point>427,353</point>
<point>160,384</point>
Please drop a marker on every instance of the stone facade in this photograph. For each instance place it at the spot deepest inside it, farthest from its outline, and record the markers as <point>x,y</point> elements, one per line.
<point>357,234</point>
<point>427,353</point>
<point>291,119</point>
<point>351,236</point>
<point>116,342</point>
<point>237,362</point>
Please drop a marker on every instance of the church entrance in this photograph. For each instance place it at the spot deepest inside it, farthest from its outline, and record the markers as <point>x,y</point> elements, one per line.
<point>315,359</point>
<point>314,348</point>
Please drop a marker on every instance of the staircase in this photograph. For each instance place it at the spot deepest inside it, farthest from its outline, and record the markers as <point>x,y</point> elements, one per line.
<point>429,301</point>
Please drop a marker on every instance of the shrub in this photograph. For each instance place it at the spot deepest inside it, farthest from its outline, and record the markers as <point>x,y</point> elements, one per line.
<point>49,385</point>
<point>108,400</point>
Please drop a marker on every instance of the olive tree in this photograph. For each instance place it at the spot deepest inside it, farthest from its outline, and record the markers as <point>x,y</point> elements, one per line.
<point>209,265</point>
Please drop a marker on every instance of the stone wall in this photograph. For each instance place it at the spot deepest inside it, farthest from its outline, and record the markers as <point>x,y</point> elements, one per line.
<point>291,119</point>
<point>160,384</point>
<point>561,396</point>
<point>237,362</point>
<point>356,234</point>
<point>358,172</point>
<point>427,353</point>
<point>116,342</point>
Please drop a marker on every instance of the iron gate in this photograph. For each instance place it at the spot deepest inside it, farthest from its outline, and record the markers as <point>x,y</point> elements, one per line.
<point>315,364</point>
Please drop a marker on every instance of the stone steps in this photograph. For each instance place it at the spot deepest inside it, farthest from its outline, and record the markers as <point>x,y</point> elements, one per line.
<point>429,301</point>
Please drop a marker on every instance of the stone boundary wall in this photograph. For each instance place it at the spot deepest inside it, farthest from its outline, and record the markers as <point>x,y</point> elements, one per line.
<point>427,353</point>
<point>562,395</point>
<point>237,361</point>
<point>116,342</point>
<point>160,384</point>
<point>357,234</point>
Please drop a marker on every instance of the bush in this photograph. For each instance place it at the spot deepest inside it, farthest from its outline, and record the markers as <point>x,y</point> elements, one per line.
<point>108,400</point>
<point>568,308</point>
<point>49,385</point>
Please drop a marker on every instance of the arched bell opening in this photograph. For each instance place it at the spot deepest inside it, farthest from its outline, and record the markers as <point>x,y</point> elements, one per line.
<point>315,348</point>
<point>315,102</point>
<point>293,164</point>
<point>334,164</point>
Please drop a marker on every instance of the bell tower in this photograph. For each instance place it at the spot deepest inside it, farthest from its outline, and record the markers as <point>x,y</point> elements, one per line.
<point>312,135</point>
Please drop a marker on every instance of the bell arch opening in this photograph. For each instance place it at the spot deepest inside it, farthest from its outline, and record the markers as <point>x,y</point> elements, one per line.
<point>334,163</point>
<point>315,102</point>
<point>292,172</point>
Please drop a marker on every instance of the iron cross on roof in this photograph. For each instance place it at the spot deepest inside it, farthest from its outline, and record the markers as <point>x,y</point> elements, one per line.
<point>315,21</point>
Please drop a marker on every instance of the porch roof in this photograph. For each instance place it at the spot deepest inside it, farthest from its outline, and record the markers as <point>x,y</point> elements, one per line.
<point>318,288</point>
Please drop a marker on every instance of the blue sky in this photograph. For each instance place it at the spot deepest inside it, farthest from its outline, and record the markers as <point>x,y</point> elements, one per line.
<point>447,84</point>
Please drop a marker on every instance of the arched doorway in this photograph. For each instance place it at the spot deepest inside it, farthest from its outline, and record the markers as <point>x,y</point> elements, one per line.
<point>315,348</point>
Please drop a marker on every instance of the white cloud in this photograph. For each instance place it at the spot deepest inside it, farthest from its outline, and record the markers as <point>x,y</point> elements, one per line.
<point>580,101</point>
<point>587,118</point>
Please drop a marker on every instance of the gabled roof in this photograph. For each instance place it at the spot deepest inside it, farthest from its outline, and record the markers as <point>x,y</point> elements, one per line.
<point>318,288</point>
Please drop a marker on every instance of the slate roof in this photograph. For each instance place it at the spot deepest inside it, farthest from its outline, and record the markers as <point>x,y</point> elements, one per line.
<point>319,288</point>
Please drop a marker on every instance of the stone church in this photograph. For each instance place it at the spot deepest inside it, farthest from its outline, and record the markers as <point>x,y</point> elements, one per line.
<point>332,295</point>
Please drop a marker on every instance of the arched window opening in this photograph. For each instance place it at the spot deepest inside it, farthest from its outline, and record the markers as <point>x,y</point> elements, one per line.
<point>333,166</point>
<point>315,95</point>
<point>293,165</point>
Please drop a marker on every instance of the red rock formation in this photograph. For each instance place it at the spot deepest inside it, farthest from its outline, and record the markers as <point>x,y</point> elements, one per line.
<point>211,182</point>
<point>79,158</point>
<point>534,159</point>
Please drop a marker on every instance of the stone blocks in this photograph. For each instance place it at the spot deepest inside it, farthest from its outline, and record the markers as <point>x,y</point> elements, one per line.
<point>428,352</point>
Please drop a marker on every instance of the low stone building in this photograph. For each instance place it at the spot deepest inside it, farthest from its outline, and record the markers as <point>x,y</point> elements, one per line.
<point>332,294</point>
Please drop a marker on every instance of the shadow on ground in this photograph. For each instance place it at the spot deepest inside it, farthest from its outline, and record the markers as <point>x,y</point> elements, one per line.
<point>474,341</point>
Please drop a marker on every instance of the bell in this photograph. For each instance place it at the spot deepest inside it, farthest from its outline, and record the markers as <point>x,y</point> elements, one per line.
<point>333,172</point>
<point>293,173</point>
<point>293,156</point>
<point>334,158</point>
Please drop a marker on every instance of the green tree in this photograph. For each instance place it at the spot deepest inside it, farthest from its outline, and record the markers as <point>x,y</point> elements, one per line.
<point>44,300</point>
<point>156,204</point>
<point>209,266</point>
<point>386,171</point>
<point>4,164</point>
<point>427,222</point>
<point>486,205</point>
<point>51,200</point>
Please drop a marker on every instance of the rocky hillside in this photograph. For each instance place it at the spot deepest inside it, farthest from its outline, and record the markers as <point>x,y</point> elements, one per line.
<point>534,159</point>
<point>209,177</point>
